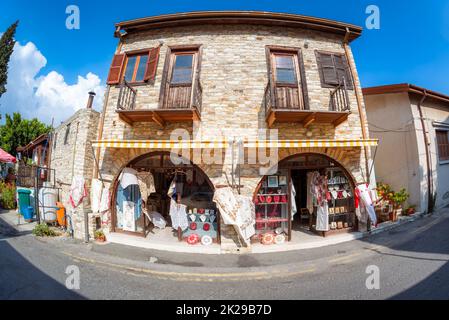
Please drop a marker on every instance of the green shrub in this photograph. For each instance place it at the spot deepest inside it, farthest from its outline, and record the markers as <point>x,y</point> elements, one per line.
<point>7,196</point>
<point>43,230</point>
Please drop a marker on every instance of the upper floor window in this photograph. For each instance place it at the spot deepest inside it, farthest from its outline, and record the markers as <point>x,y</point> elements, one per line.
<point>334,70</point>
<point>443,144</point>
<point>135,66</point>
<point>287,81</point>
<point>285,68</point>
<point>182,68</point>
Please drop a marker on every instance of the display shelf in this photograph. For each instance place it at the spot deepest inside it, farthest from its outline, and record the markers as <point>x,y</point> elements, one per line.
<point>271,220</point>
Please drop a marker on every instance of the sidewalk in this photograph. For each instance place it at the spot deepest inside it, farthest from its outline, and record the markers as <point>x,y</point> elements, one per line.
<point>14,222</point>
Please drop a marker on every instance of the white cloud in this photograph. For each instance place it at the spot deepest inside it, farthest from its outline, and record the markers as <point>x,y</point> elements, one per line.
<point>48,96</point>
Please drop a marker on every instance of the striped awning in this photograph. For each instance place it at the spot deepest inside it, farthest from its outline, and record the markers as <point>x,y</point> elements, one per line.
<point>222,144</point>
<point>311,143</point>
<point>161,144</point>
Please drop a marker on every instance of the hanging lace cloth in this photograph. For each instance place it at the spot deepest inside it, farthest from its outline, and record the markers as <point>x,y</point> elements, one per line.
<point>178,215</point>
<point>319,190</point>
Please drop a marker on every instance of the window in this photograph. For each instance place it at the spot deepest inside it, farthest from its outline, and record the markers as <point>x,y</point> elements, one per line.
<point>285,69</point>
<point>135,67</point>
<point>443,144</point>
<point>182,69</point>
<point>67,133</point>
<point>334,70</point>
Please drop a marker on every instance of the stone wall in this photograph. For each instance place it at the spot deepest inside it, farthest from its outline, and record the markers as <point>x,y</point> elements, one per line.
<point>234,77</point>
<point>74,157</point>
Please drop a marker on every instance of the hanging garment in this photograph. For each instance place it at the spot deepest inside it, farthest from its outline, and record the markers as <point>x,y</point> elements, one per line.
<point>364,199</point>
<point>146,184</point>
<point>129,221</point>
<point>130,194</point>
<point>105,199</point>
<point>128,177</point>
<point>157,219</point>
<point>172,189</point>
<point>309,192</point>
<point>238,211</point>
<point>77,191</point>
<point>293,201</point>
<point>320,199</point>
<point>95,195</point>
<point>178,215</point>
<point>322,218</point>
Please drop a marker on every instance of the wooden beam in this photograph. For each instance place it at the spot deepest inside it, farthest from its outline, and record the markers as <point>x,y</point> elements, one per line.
<point>340,120</point>
<point>309,120</point>
<point>271,119</point>
<point>124,118</point>
<point>158,119</point>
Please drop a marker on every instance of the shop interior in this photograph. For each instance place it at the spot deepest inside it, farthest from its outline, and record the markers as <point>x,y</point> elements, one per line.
<point>166,203</point>
<point>287,207</point>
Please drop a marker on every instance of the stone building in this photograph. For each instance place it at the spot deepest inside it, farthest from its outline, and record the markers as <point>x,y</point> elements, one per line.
<point>72,155</point>
<point>413,125</point>
<point>234,85</point>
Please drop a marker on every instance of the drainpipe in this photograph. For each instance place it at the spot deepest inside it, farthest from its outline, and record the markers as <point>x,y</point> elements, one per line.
<point>359,98</point>
<point>426,146</point>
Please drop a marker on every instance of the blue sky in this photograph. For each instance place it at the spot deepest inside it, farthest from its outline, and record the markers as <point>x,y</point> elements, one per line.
<point>411,46</point>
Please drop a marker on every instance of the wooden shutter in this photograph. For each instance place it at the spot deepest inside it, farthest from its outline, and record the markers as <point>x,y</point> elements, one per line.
<point>302,70</point>
<point>165,79</point>
<point>116,69</point>
<point>270,68</point>
<point>327,69</point>
<point>151,69</point>
<point>342,69</point>
<point>443,144</point>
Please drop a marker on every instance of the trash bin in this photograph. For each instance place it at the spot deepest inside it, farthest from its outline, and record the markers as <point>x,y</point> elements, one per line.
<point>60,215</point>
<point>24,199</point>
<point>28,214</point>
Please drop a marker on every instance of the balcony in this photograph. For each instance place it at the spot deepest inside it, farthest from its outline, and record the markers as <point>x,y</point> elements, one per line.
<point>179,104</point>
<point>285,105</point>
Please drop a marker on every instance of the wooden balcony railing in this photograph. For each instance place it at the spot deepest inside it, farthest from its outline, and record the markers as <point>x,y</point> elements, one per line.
<point>197,101</point>
<point>339,98</point>
<point>127,97</point>
<point>283,104</point>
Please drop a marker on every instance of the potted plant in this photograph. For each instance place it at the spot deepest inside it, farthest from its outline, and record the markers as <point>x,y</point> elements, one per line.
<point>397,200</point>
<point>410,210</point>
<point>100,236</point>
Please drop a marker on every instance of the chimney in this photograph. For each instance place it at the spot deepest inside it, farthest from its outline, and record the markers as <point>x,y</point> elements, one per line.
<point>90,101</point>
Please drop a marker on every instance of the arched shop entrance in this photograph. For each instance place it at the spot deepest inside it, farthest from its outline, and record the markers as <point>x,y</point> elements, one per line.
<point>309,193</point>
<point>150,186</point>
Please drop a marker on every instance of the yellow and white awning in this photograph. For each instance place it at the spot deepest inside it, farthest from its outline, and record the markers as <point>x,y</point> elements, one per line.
<point>282,144</point>
<point>222,144</point>
<point>161,144</point>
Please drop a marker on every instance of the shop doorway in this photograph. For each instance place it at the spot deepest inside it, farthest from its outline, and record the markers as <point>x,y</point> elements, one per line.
<point>144,194</point>
<point>285,202</point>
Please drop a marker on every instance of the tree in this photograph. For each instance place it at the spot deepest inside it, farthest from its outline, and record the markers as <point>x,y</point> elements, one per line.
<point>6,48</point>
<point>18,132</point>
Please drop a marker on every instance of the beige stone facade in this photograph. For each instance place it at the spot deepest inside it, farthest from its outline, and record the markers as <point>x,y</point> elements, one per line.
<point>73,156</point>
<point>234,77</point>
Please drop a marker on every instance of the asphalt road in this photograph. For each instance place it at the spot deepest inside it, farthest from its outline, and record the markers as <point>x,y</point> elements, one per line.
<point>412,261</point>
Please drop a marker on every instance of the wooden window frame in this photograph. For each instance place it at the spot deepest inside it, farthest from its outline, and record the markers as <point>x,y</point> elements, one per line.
<point>173,57</point>
<point>349,85</point>
<point>441,160</point>
<point>167,73</point>
<point>138,54</point>
<point>296,68</point>
<point>301,78</point>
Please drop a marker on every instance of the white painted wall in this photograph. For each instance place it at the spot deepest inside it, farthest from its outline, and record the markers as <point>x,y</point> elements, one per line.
<point>397,161</point>
<point>435,111</point>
